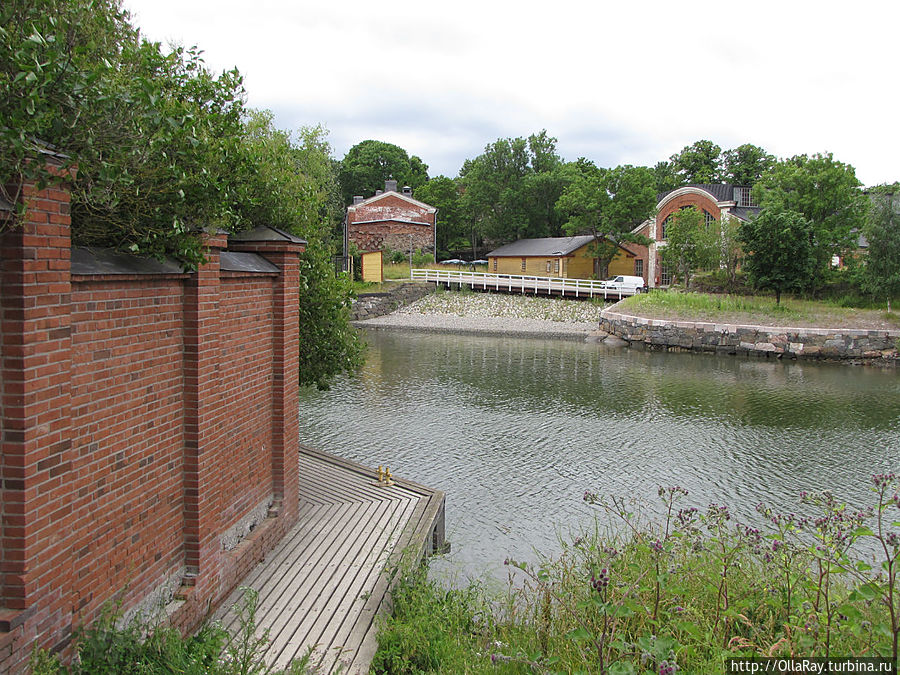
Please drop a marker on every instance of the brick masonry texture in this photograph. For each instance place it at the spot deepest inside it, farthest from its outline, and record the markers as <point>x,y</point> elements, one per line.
<point>149,431</point>
<point>683,201</point>
<point>391,222</point>
<point>869,346</point>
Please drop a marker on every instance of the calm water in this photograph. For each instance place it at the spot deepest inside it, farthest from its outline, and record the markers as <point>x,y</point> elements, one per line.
<point>514,431</point>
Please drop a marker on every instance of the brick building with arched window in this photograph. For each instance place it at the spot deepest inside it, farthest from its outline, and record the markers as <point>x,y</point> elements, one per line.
<point>713,200</point>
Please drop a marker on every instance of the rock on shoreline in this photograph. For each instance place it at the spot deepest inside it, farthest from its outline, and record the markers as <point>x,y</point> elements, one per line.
<point>494,314</point>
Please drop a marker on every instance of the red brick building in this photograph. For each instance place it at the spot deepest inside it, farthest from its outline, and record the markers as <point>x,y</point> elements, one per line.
<point>713,200</point>
<point>149,425</point>
<point>391,219</point>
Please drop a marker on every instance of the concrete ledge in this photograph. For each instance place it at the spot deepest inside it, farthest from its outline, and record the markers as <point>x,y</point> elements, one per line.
<point>838,344</point>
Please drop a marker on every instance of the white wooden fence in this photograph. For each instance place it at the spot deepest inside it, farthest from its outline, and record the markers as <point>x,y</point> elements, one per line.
<point>579,288</point>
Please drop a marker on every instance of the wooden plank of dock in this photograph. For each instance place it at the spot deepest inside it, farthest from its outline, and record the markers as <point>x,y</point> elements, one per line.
<point>324,584</point>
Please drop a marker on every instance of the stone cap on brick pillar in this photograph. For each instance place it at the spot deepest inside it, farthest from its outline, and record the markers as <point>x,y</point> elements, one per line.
<point>266,238</point>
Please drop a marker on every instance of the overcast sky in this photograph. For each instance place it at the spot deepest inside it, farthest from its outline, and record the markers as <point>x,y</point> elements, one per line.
<point>618,83</point>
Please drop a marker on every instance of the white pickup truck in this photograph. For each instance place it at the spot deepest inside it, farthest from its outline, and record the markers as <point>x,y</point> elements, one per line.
<point>626,283</point>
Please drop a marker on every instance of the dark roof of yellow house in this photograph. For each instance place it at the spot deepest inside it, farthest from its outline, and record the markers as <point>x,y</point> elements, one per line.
<point>547,246</point>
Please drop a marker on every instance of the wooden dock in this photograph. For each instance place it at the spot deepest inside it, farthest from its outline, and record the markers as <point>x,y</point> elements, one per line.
<point>322,587</point>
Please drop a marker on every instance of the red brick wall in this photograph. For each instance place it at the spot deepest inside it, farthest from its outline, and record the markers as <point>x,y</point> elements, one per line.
<point>396,236</point>
<point>127,426</point>
<point>144,418</point>
<point>246,338</point>
<point>691,199</point>
<point>386,223</point>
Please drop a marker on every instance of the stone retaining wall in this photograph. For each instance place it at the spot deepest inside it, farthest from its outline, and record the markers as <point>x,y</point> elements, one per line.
<point>872,346</point>
<point>370,305</point>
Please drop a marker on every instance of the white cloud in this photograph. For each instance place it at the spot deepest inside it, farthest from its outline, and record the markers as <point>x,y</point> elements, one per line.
<point>615,82</point>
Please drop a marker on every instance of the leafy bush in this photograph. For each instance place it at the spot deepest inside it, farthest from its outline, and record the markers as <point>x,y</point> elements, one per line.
<point>421,259</point>
<point>426,628</point>
<point>142,648</point>
<point>165,148</point>
<point>683,591</point>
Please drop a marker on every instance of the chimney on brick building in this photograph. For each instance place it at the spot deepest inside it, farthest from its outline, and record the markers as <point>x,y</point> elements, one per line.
<point>407,190</point>
<point>390,185</point>
<point>357,199</point>
<point>379,192</point>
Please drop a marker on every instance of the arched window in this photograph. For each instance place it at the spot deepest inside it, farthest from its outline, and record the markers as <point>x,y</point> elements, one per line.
<point>665,225</point>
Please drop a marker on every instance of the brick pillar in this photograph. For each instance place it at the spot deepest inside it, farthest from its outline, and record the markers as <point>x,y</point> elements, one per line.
<point>36,454</point>
<point>282,250</point>
<point>203,416</point>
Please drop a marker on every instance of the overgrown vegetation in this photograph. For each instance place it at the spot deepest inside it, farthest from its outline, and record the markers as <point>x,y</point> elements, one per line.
<point>165,148</point>
<point>681,591</point>
<point>145,648</point>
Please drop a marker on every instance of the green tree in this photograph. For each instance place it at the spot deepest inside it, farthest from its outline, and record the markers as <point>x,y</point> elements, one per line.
<point>290,184</point>
<point>745,164</point>
<point>539,193</point>
<point>609,205</point>
<point>508,190</point>
<point>826,193</point>
<point>779,253</point>
<point>700,162</point>
<point>731,251</point>
<point>691,244</point>
<point>154,153</point>
<point>453,232</point>
<point>163,148</point>
<point>885,189</point>
<point>367,165</point>
<point>150,131</point>
<point>881,274</point>
<point>54,57</point>
<point>667,177</point>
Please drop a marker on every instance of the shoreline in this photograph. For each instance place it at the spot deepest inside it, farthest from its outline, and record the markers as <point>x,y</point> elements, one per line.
<point>845,345</point>
<point>493,327</point>
<point>506,316</point>
<point>491,314</point>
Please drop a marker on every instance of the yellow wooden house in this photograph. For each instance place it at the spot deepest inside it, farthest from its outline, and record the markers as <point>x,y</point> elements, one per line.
<point>564,257</point>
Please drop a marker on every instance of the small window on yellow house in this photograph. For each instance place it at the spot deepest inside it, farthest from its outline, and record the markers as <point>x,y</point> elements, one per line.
<point>556,266</point>
<point>495,264</point>
<point>523,264</point>
<point>548,267</point>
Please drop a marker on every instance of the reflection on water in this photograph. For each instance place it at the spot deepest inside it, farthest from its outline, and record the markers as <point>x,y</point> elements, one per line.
<point>514,430</point>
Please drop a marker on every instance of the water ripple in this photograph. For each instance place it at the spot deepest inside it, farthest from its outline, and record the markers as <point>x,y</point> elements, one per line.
<point>514,431</point>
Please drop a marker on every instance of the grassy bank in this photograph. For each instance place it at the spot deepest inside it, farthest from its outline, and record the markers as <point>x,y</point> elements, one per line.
<point>682,595</point>
<point>757,310</point>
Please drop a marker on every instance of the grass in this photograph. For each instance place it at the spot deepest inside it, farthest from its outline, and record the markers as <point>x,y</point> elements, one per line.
<point>400,272</point>
<point>148,648</point>
<point>681,593</point>
<point>758,310</point>
<point>396,270</point>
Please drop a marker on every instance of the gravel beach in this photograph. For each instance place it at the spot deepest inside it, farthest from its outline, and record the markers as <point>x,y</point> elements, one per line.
<point>494,314</point>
